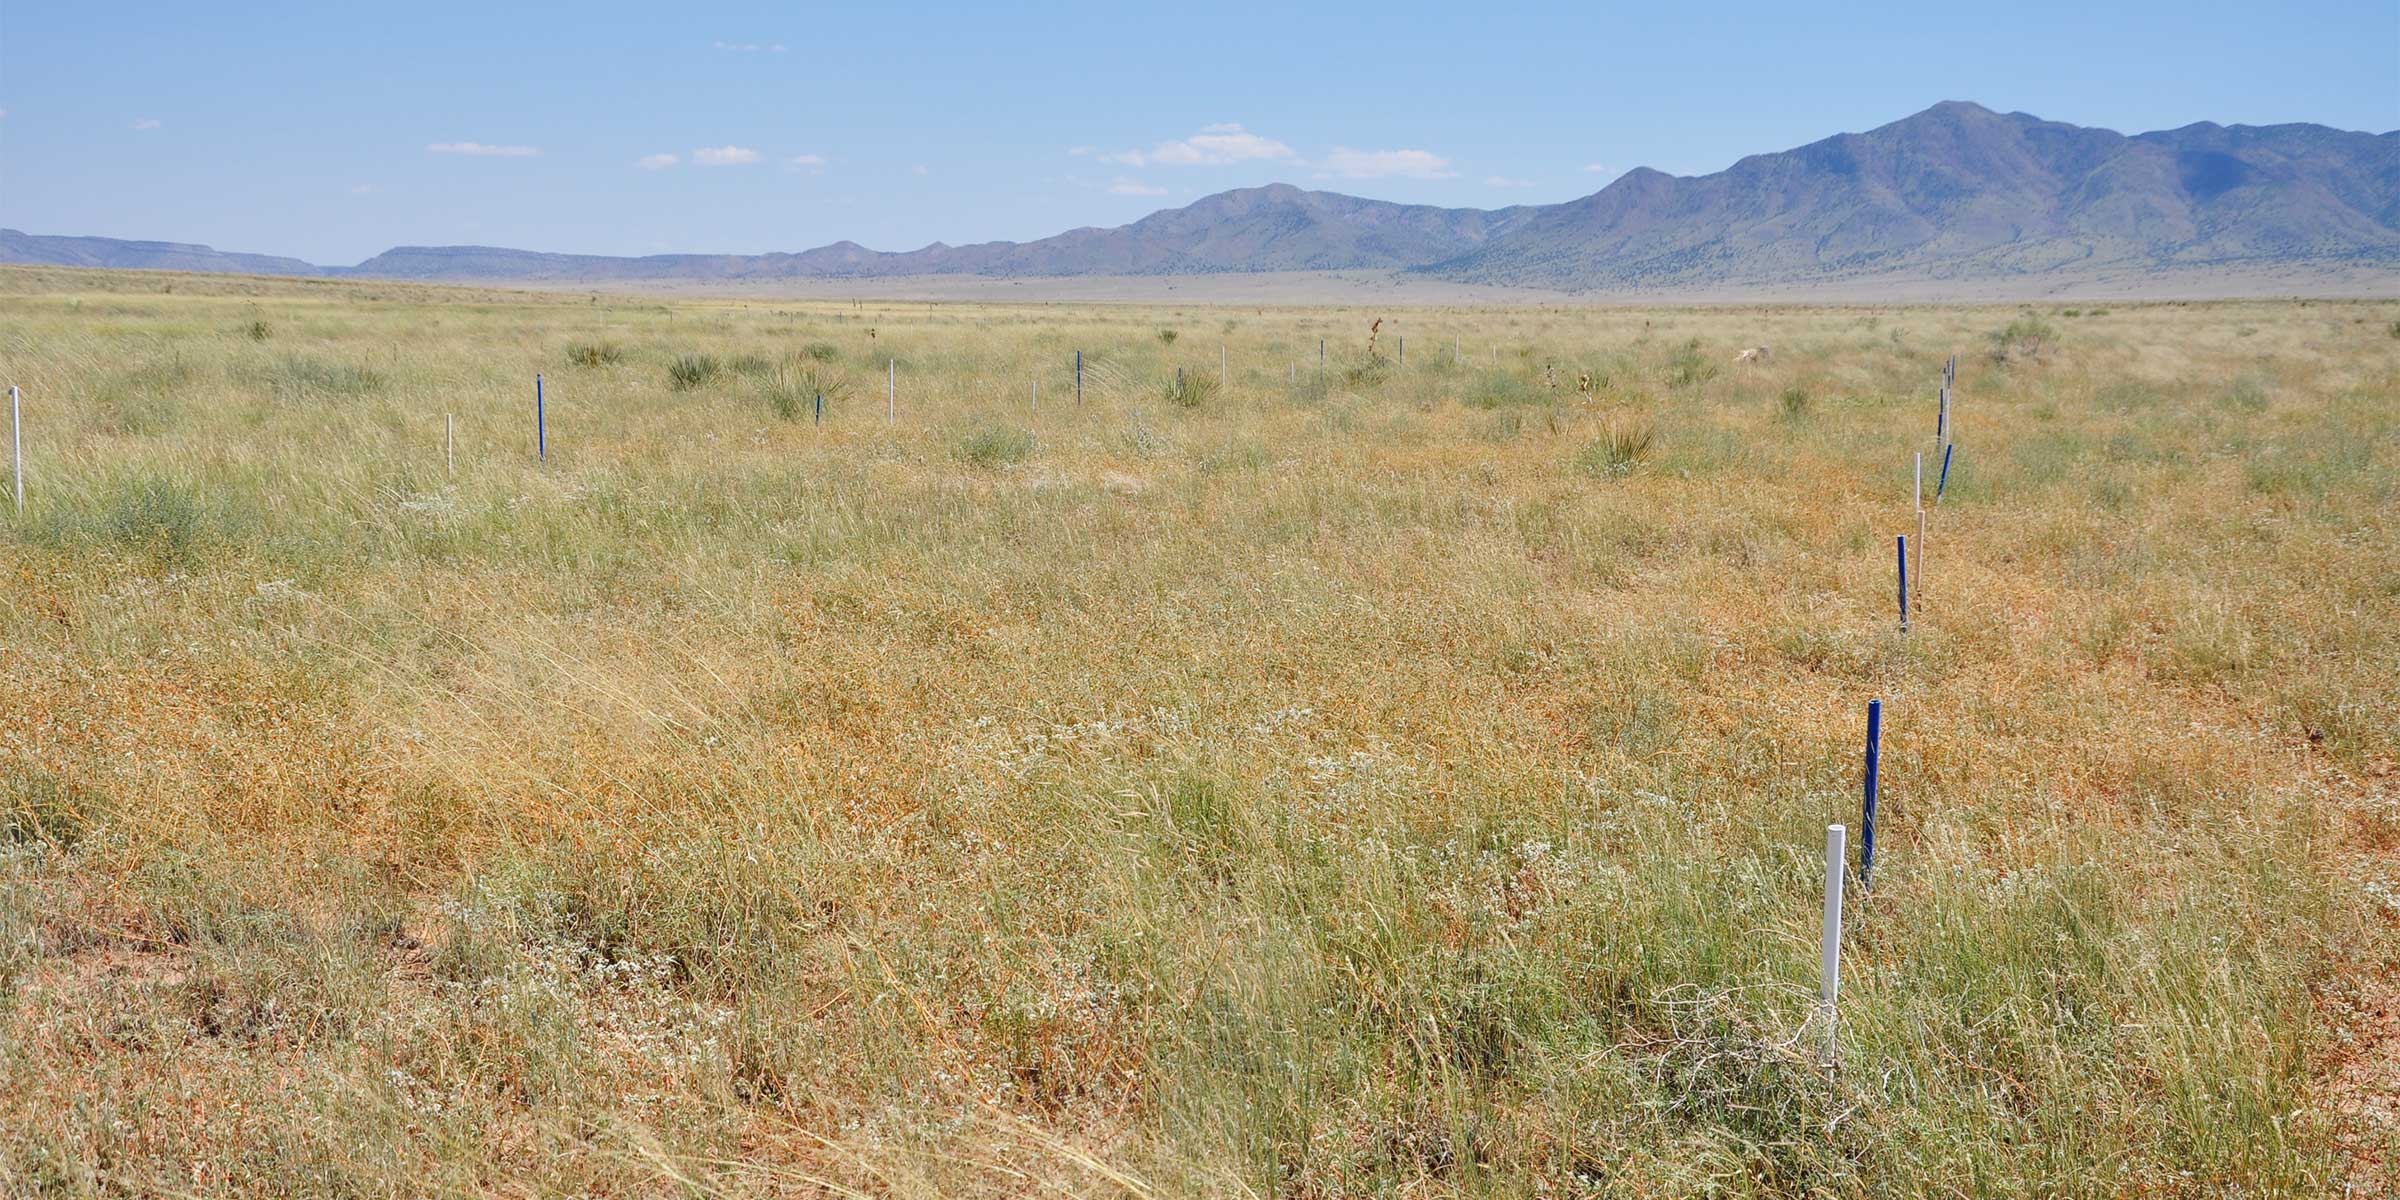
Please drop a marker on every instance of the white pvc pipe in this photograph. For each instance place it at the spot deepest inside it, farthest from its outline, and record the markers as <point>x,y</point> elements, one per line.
<point>891,391</point>
<point>1919,582</point>
<point>16,448</point>
<point>1829,991</point>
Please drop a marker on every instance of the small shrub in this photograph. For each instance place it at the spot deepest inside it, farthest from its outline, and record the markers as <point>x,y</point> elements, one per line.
<point>1795,402</point>
<point>690,371</point>
<point>2395,329</point>
<point>1166,337</point>
<point>2071,312</point>
<point>2023,340</point>
<point>1687,366</point>
<point>753,366</point>
<point>257,330</point>
<point>1367,372</point>
<point>1617,451</point>
<point>994,446</point>
<point>823,352</point>
<point>159,517</point>
<point>594,354</point>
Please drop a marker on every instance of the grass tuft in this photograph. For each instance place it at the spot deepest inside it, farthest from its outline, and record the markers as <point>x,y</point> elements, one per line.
<point>594,354</point>
<point>1620,448</point>
<point>691,371</point>
<point>992,446</point>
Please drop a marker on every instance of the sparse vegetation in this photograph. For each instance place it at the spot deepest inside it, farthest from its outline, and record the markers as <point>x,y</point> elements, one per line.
<point>594,354</point>
<point>1688,367</point>
<point>2025,339</point>
<point>993,445</point>
<point>1394,783</point>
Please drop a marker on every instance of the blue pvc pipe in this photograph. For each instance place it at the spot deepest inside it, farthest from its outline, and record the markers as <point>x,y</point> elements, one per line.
<point>1904,583</point>
<point>820,408</point>
<point>541,428</point>
<point>1944,481</point>
<point>1079,377</point>
<point>1866,841</point>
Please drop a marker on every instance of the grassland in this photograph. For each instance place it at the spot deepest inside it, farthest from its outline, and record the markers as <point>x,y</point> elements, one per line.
<point>1402,780</point>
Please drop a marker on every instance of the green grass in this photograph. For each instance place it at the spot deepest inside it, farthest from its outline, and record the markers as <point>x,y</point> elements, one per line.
<point>1400,782</point>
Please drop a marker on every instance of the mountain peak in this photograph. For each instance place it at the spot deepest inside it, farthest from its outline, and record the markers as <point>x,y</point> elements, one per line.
<point>1954,192</point>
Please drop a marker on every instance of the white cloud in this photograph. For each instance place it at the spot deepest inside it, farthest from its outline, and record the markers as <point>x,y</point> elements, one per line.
<point>1218,145</point>
<point>1072,151</point>
<point>1386,164</point>
<point>1126,186</point>
<point>920,169</point>
<point>811,163</point>
<point>147,123</point>
<point>656,162</point>
<point>724,156</point>
<point>1503,181</point>
<point>362,189</point>
<point>750,47</point>
<point>1595,168</point>
<point>482,150</point>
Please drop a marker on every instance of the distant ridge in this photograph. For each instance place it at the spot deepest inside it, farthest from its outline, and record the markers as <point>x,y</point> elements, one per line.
<point>1955,193</point>
<point>1959,191</point>
<point>16,247</point>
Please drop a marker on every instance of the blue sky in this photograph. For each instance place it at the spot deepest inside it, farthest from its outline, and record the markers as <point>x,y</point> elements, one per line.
<point>331,132</point>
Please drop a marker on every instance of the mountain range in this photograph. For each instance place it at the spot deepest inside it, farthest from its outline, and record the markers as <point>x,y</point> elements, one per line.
<point>1957,192</point>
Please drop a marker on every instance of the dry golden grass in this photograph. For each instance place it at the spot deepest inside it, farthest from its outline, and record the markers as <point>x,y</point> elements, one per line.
<point>1376,780</point>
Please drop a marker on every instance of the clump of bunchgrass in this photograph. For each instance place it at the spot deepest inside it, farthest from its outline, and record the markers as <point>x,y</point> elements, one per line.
<point>1190,389</point>
<point>1489,389</point>
<point>1620,448</point>
<point>793,388</point>
<point>992,445</point>
<point>303,377</point>
<point>594,354</point>
<point>1688,367</point>
<point>691,371</point>
<point>2023,340</point>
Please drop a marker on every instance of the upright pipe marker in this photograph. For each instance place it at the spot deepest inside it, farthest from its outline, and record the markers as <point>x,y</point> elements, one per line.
<point>1829,988</point>
<point>1903,583</point>
<point>1866,840</point>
